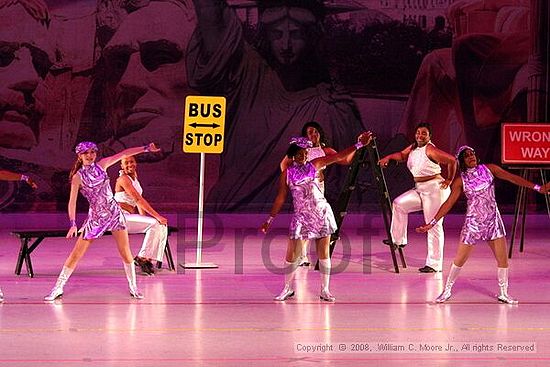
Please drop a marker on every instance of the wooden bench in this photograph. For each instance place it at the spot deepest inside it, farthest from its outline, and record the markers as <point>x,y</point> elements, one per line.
<point>32,238</point>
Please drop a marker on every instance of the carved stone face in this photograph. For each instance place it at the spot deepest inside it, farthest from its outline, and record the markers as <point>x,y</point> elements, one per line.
<point>287,40</point>
<point>145,62</point>
<point>25,59</point>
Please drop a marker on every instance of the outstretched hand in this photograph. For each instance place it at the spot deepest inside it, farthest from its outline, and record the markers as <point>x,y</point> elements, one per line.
<point>31,183</point>
<point>384,162</point>
<point>545,189</point>
<point>151,147</point>
<point>365,138</point>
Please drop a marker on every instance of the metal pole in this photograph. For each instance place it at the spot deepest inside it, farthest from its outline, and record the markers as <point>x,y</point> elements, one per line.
<point>201,210</point>
<point>199,264</point>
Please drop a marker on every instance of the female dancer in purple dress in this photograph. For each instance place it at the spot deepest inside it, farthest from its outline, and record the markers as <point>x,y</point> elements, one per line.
<point>483,221</point>
<point>12,176</point>
<point>104,213</point>
<point>313,217</point>
<point>316,135</point>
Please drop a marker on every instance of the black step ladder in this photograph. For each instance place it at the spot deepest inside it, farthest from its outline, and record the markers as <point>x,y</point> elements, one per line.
<point>368,156</point>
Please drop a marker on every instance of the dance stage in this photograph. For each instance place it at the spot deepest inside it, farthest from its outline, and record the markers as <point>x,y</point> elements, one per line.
<point>227,316</point>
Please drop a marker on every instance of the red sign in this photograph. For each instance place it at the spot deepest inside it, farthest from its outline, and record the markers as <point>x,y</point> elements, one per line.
<point>526,143</point>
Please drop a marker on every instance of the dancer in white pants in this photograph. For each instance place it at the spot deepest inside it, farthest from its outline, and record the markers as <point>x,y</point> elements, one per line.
<point>12,176</point>
<point>483,221</point>
<point>128,193</point>
<point>430,191</point>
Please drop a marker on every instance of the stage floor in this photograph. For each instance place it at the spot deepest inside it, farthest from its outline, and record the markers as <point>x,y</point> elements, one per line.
<point>227,316</point>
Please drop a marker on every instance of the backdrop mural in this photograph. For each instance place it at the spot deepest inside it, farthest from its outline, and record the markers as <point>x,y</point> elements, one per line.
<point>117,72</point>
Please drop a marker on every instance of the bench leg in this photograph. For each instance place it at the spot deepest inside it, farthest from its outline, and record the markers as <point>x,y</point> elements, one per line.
<point>22,255</point>
<point>28,262</point>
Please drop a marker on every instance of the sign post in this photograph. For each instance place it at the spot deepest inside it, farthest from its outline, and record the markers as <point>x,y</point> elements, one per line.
<point>527,146</point>
<point>203,132</point>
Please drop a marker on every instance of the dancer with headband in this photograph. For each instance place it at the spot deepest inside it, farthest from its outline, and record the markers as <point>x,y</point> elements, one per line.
<point>313,218</point>
<point>483,221</point>
<point>104,213</point>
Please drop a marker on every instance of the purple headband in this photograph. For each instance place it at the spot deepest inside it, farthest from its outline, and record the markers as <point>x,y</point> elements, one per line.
<point>463,148</point>
<point>302,142</point>
<point>84,146</point>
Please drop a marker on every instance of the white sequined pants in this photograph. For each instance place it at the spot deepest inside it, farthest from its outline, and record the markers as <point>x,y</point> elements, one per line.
<point>428,197</point>
<point>155,235</point>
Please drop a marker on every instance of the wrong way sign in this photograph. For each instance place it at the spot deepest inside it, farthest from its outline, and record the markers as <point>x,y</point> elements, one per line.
<point>526,143</point>
<point>204,124</point>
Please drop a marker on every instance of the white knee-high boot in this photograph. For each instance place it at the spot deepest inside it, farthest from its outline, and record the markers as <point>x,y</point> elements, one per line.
<point>324,269</point>
<point>290,271</point>
<point>451,278</point>
<point>57,290</point>
<point>131,276</point>
<point>503,287</point>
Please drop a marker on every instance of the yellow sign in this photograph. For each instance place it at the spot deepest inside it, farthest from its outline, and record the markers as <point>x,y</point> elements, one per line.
<point>204,124</point>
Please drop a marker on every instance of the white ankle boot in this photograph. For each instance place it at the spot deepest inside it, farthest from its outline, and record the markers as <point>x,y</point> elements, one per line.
<point>324,270</point>
<point>326,296</point>
<point>503,287</point>
<point>57,290</point>
<point>130,271</point>
<point>1,296</point>
<point>451,278</point>
<point>290,270</point>
<point>285,294</point>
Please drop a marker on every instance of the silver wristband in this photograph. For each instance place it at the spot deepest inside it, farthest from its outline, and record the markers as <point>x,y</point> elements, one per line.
<point>433,222</point>
<point>536,188</point>
<point>72,223</point>
<point>24,178</point>
<point>358,145</point>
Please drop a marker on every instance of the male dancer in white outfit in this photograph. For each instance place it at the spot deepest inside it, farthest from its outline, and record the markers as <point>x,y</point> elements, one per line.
<point>430,191</point>
<point>128,193</point>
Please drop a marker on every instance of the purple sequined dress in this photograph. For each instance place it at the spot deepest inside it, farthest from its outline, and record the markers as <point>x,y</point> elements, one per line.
<point>483,220</point>
<point>313,217</point>
<point>104,213</point>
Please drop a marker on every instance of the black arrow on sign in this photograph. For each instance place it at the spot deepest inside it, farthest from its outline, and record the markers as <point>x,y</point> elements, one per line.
<point>212,125</point>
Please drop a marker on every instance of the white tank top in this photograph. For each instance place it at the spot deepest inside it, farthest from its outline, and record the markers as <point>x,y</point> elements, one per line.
<point>317,152</point>
<point>420,164</point>
<point>123,197</point>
